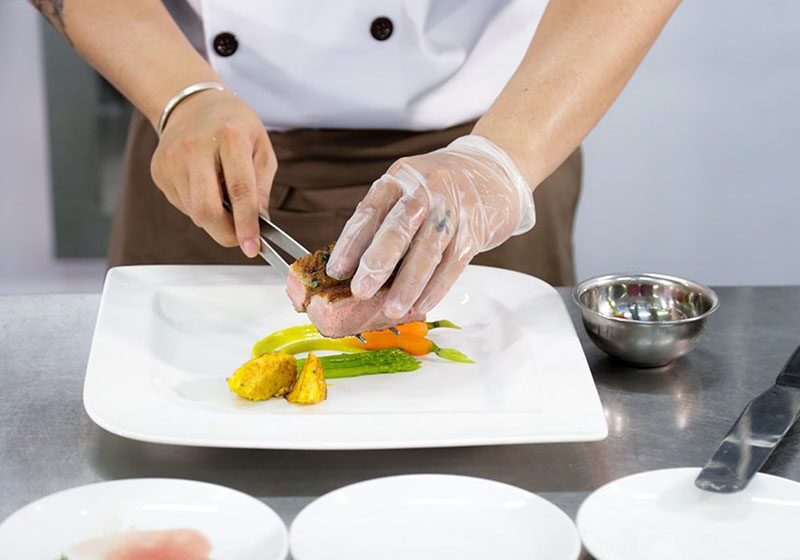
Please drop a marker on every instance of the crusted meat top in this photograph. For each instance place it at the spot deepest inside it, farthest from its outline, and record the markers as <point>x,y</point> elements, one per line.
<point>334,292</point>
<point>311,269</point>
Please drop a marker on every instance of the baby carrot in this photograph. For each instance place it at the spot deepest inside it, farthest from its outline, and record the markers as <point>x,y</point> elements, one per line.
<point>420,328</point>
<point>414,345</point>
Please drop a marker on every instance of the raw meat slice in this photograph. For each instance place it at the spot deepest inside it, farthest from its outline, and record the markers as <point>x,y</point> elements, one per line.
<point>177,544</point>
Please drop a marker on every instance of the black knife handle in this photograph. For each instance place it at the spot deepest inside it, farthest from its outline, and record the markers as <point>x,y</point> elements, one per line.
<point>790,376</point>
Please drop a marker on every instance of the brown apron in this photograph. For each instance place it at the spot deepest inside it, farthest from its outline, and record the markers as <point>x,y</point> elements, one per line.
<point>322,175</point>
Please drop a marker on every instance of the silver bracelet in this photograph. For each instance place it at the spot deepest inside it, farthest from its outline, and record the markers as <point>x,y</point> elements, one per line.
<point>180,96</point>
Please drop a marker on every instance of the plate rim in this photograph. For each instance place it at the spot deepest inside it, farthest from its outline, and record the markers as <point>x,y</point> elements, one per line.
<point>597,431</point>
<point>602,553</point>
<point>284,530</point>
<point>577,542</point>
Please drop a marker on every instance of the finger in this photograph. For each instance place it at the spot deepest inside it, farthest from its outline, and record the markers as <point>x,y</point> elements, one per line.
<point>423,257</point>
<point>265,166</point>
<point>362,226</point>
<point>236,158</point>
<point>172,197</point>
<point>206,208</point>
<point>390,243</point>
<point>455,260</point>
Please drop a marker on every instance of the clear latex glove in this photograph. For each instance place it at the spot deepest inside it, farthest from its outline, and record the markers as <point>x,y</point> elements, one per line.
<point>434,211</point>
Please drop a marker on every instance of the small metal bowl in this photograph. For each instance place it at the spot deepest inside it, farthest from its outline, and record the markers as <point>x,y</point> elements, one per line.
<point>646,319</point>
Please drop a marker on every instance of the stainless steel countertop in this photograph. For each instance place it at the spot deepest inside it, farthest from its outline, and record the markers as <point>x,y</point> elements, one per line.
<point>668,417</point>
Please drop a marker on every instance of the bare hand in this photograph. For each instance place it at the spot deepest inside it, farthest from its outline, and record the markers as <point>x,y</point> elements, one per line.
<point>214,141</point>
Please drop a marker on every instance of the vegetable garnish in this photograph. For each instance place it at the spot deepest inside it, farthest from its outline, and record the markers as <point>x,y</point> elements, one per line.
<point>274,341</point>
<point>452,354</point>
<point>419,328</point>
<point>306,338</point>
<point>270,375</point>
<point>414,345</point>
<point>310,387</point>
<point>317,344</point>
<point>274,371</point>
<point>389,360</point>
<point>276,374</point>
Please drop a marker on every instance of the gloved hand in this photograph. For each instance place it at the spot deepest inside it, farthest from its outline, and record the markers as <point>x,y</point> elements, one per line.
<point>434,211</point>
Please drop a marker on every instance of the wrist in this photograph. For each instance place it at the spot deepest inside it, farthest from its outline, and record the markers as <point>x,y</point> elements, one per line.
<point>508,178</point>
<point>194,107</point>
<point>159,95</point>
<point>517,144</point>
<point>183,97</point>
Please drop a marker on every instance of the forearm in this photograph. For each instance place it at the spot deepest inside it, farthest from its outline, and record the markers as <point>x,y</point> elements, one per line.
<point>135,44</point>
<point>582,55</point>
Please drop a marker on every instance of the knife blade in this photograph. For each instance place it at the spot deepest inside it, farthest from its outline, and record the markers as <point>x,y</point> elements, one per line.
<point>757,432</point>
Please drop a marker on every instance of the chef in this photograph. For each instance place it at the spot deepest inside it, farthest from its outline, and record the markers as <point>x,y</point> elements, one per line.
<point>430,133</point>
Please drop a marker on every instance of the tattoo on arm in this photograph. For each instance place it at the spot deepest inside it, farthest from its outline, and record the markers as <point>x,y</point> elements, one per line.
<point>53,10</point>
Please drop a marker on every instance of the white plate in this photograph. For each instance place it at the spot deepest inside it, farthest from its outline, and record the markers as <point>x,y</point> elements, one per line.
<point>430,516</point>
<point>168,336</point>
<point>660,515</point>
<point>237,525</point>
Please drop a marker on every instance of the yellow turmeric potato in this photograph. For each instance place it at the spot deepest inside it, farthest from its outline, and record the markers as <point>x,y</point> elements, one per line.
<point>270,375</point>
<point>310,387</point>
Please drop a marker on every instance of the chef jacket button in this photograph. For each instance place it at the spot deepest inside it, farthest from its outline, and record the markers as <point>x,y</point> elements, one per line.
<point>381,28</point>
<point>225,44</point>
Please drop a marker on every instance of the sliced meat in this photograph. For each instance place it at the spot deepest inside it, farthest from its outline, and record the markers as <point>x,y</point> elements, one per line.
<point>329,303</point>
<point>345,315</point>
<point>297,292</point>
<point>178,544</point>
<point>307,276</point>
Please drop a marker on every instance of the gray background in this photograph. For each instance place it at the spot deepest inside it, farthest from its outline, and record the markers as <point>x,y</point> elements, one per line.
<point>692,172</point>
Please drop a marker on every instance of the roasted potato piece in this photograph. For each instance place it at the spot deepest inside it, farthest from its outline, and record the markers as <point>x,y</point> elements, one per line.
<point>270,375</point>
<point>310,387</point>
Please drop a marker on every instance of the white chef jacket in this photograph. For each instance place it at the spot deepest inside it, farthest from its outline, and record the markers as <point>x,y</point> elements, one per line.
<point>330,64</point>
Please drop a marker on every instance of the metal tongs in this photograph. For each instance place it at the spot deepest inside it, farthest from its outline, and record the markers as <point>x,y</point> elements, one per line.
<point>269,234</point>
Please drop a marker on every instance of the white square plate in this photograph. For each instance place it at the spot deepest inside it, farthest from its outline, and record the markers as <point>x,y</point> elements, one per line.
<point>168,336</point>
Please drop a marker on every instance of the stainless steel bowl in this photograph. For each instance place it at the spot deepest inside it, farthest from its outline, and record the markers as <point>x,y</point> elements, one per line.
<point>645,319</point>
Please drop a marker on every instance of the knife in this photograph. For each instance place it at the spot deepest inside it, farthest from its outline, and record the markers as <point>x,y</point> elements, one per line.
<point>759,429</point>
